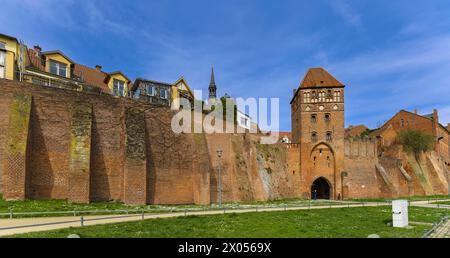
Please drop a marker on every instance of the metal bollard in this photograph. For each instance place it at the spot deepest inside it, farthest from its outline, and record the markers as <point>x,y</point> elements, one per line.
<point>285,207</point>
<point>74,213</point>
<point>256,208</point>
<point>10,214</point>
<point>143,214</point>
<point>185,212</point>
<point>223,210</point>
<point>82,221</point>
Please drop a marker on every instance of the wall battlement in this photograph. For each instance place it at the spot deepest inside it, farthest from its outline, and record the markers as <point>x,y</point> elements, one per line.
<point>360,147</point>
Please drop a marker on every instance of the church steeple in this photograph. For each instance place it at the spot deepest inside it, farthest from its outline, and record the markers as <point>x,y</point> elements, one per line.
<point>212,86</point>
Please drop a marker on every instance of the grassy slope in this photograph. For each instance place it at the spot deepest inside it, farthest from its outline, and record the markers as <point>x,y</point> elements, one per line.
<point>345,222</point>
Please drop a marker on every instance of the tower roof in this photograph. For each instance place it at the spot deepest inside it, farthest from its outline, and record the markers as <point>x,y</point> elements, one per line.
<point>212,81</point>
<point>319,77</point>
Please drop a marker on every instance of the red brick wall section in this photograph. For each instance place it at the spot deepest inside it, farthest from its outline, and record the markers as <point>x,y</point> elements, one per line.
<point>80,152</point>
<point>135,171</point>
<point>15,165</point>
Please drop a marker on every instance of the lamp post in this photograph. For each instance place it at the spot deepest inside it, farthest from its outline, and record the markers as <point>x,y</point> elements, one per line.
<point>219,181</point>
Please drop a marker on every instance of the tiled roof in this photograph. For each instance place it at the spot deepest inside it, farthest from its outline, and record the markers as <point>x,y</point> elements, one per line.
<point>156,83</point>
<point>319,77</point>
<point>93,77</point>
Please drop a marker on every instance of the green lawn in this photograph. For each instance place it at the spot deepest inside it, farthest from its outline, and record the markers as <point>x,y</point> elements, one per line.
<point>323,223</point>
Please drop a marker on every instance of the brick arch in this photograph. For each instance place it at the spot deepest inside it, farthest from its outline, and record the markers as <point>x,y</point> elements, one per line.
<point>323,188</point>
<point>323,165</point>
<point>322,143</point>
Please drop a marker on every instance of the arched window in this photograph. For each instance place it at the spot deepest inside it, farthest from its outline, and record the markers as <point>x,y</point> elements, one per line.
<point>327,117</point>
<point>314,137</point>
<point>329,136</point>
<point>313,118</point>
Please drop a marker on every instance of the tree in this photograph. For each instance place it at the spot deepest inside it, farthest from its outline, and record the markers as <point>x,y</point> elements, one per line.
<point>415,141</point>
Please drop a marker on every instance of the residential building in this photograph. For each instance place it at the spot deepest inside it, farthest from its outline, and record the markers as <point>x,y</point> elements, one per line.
<point>243,120</point>
<point>428,123</point>
<point>153,92</point>
<point>12,58</point>
<point>56,69</point>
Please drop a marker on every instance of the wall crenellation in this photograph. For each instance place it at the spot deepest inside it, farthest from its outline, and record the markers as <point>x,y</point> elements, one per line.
<point>360,147</point>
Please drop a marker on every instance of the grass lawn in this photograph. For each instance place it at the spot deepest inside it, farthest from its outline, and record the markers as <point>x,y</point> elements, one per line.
<point>63,205</point>
<point>323,223</point>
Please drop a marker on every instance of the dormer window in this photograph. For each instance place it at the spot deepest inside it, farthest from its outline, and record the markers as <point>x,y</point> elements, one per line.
<point>58,68</point>
<point>119,88</point>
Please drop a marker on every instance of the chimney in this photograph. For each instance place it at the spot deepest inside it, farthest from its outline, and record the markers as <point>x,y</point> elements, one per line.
<point>448,126</point>
<point>295,91</point>
<point>435,116</point>
<point>415,111</point>
<point>38,49</point>
<point>98,68</point>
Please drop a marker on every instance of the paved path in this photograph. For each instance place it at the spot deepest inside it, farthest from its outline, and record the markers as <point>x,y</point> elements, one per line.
<point>26,225</point>
<point>443,231</point>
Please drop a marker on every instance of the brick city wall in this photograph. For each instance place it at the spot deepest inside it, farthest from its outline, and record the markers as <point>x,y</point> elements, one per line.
<point>60,144</point>
<point>85,147</point>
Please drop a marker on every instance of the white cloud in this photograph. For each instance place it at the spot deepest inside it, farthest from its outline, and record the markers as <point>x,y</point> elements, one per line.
<point>346,11</point>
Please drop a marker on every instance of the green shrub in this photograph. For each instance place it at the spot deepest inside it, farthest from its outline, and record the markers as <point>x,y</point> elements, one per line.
<point>415,141</point>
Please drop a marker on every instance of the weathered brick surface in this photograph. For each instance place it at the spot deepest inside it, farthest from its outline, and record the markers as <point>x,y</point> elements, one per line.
<point>135,171</point>
<point>80,152</point>
<point>15,162</point>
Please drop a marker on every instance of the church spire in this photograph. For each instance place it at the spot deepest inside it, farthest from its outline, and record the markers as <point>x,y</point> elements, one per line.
<point>212,86</point>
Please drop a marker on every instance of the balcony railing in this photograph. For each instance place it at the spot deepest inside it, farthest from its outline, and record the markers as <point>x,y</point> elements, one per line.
<point>61,84</point>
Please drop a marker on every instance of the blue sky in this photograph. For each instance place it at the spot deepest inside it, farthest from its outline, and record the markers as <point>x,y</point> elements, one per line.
<point>392,55</point>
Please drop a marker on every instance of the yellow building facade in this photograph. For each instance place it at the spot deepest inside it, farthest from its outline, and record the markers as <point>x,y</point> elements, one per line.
<point>11,57</point>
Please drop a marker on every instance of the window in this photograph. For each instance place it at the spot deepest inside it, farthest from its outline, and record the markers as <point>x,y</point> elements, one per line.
<point>163,94</point>
<point>313,118</point>
<point>150,90</point>
<point>402,123</point>
<point>307,97</point>
<point>314,137</point>
<point>2,63</point>
<point>327,118</point>
<point>2,46</point>
<point>244,121</point>
<point>329,136</point>
<point>137,93</point>
<point>58,68</point>
<point>337,96</point>
<point>119,88</point>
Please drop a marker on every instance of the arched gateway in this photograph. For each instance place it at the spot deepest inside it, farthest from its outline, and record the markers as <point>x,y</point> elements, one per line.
<point>320,189</point>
